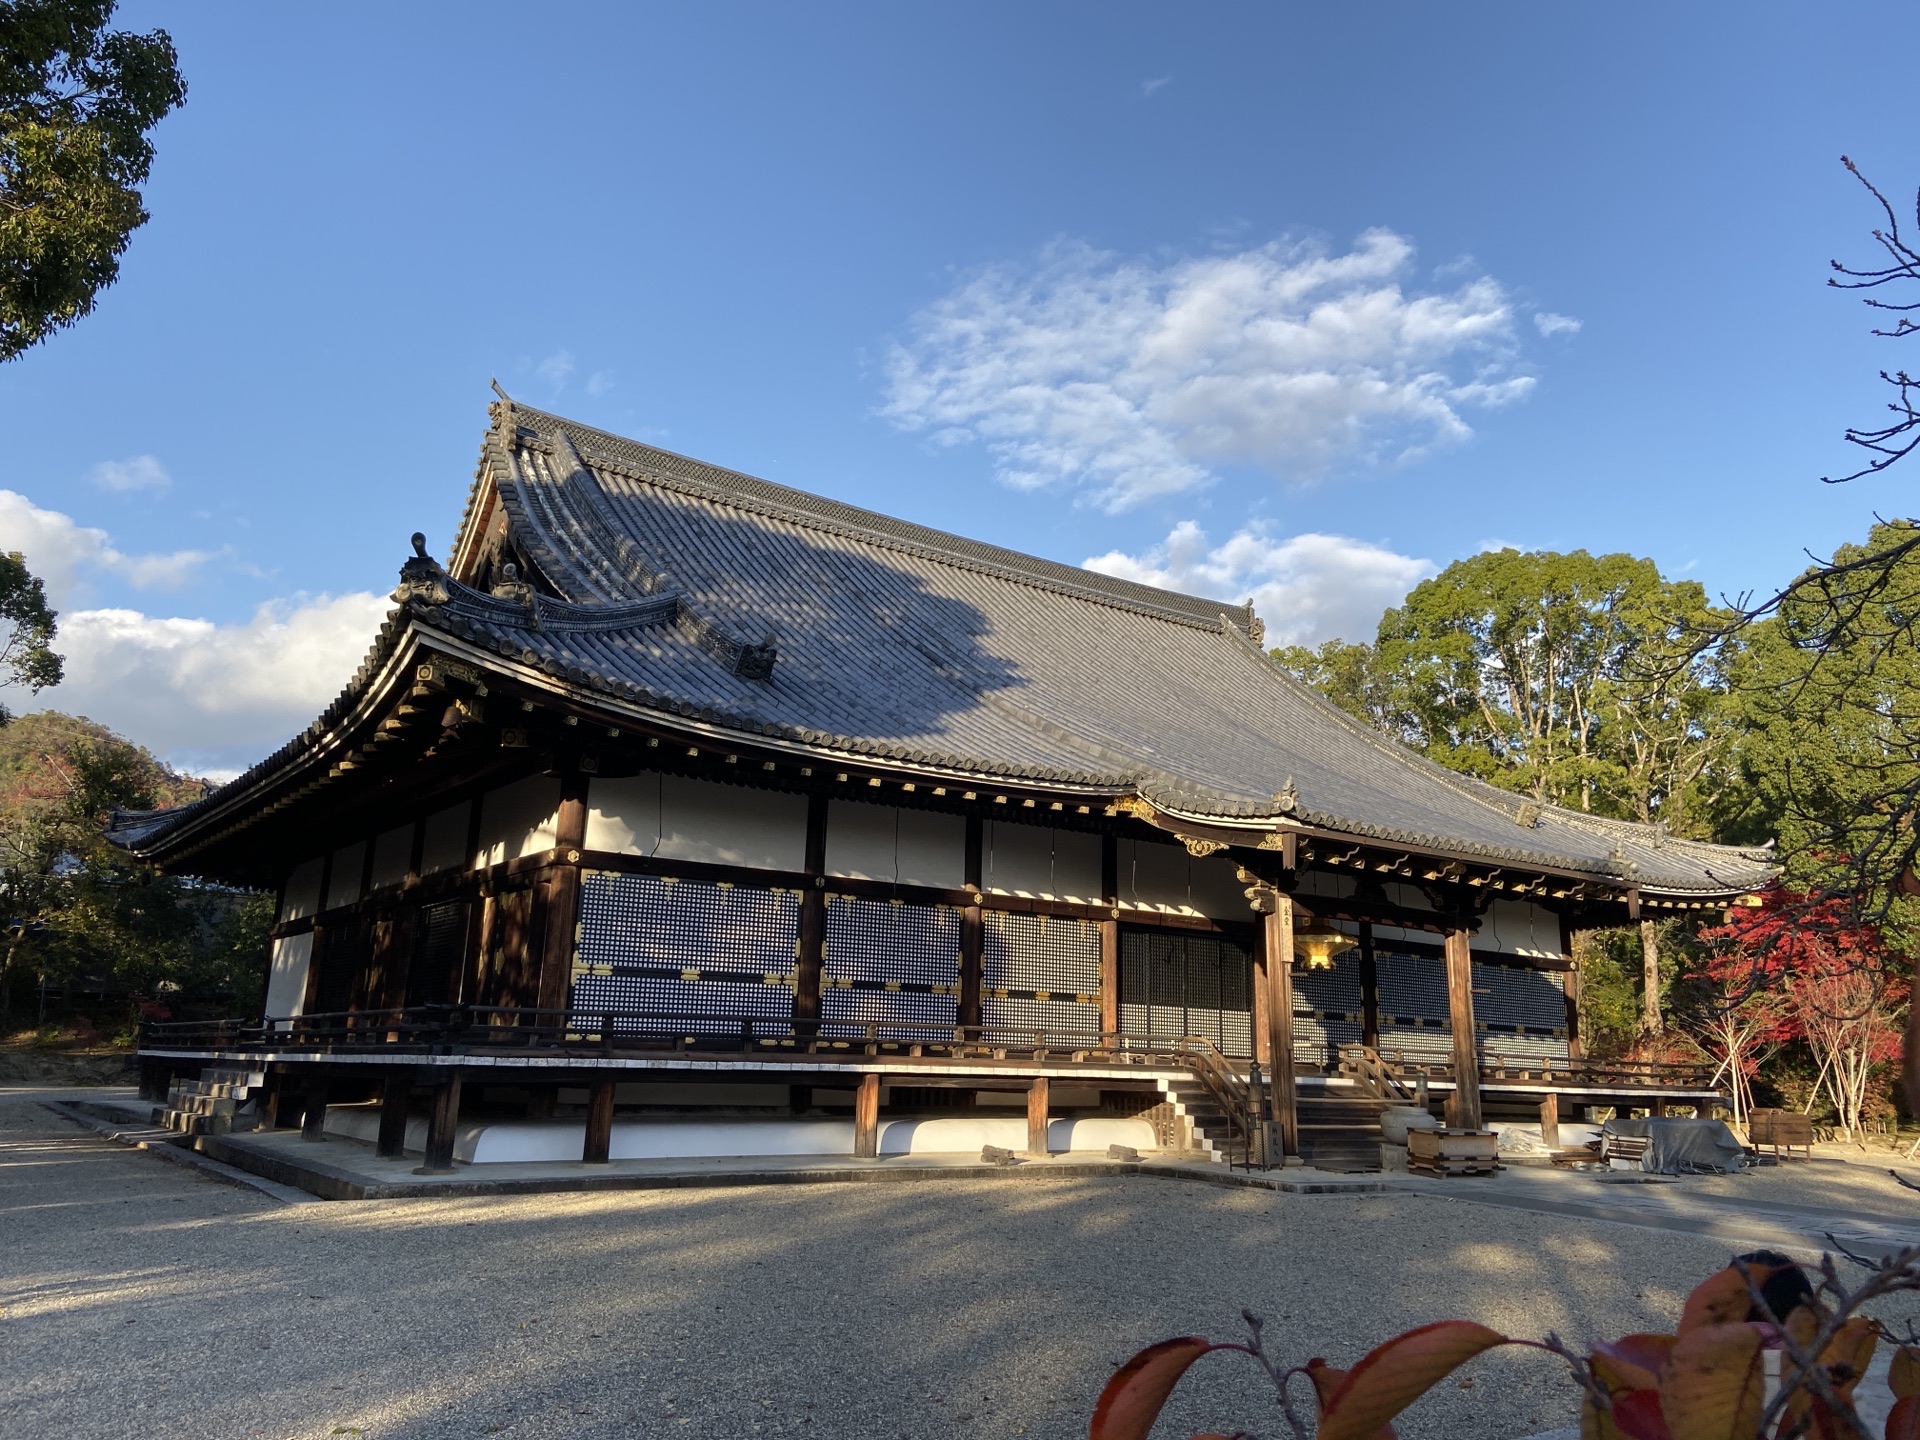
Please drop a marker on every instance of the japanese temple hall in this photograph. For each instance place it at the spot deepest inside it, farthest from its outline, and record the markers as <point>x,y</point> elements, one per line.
<point>673,794</point>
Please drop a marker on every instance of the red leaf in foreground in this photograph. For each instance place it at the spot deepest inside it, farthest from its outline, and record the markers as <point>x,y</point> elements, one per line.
<point>1392,1376</point>
<point>1633,1362</point>
<point>1713,1386</point>
<point>1130,1401</point>
<point>1636,1415</point>
<point>1721,1299</point>
<point>1903,1377</point>
<point>1327,1382</point>
<point>1903,1421</point>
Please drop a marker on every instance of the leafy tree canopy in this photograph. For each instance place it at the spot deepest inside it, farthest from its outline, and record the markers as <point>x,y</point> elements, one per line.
<point>77,101</point>
<point>26,629</point>
<point>1577,679</point>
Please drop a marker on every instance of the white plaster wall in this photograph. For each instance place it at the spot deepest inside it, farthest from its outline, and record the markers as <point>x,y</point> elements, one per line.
<point>682,819</point>
<point>343,881</point>
<point>302,896</point>
<point>1519,927</point>
<point>518,819</point>
<point>1040,860</point>
<point>1215,889</point>
<point>1406,896</point>
<point>1322,883</point>
<point>1155,876</point>
<point>444,846</point>
<point>552,1141</point>
<point>392,854</point>
<point>287,974</point>
<point>886,842</point>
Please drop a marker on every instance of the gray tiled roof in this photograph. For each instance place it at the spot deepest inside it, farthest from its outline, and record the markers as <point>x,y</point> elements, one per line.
<point>704,593</point>
<point>906,642</point>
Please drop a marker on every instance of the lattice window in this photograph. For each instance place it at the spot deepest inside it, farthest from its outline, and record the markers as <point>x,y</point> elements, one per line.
<point>1413,1006</point>
<point>1328,1008</point>
<point>707,955</point>
<point>1041,972</point>
<point>890,964</point>
<point>1520,1012</point>
<point>1173,984</point>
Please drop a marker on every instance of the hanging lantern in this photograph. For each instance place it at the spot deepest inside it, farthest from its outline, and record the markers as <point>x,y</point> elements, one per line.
<point>1315,946</point>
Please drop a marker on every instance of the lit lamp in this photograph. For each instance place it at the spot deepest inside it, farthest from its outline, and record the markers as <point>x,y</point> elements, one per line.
<point>1316,945</point>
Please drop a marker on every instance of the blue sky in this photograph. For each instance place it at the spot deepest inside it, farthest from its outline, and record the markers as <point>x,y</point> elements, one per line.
<point>1296,302</point>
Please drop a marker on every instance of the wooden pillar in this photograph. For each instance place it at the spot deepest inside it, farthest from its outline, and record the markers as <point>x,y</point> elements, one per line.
<point>1550,1122</point>
<point>1110,936</point>
<point>866,1119</point>
<point>560,931</point>
<point>396,1092</point>
<point>971,1011</point>
<point>598,1147</point>
<point>1570,985</point>
<point>1657,1109</point>
<point>810,948</point>
<point>1369,990</point>
<point>1466,1047</point>
<point>442,1121</point>
<point>1037,1115</point>
<point>1278,935</point>
<point>1262,1042</point>
<point>799,1098</point>
<point>541,1100</point>
<point>313,1113</point>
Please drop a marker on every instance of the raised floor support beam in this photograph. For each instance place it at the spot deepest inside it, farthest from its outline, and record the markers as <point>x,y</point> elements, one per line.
<point>597,1149</point>
<point>1550,1122</point>
<point>396,1094</point>
<point>313,1111</point>
<point>1037,1116</point>
<point>443,1122</point>
<point>866,1119</point>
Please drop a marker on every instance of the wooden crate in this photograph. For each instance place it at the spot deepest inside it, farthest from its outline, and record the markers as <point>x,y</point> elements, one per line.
<point>1453,1152</point>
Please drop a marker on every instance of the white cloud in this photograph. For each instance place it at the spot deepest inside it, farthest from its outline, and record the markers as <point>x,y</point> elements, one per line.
<point>60,552</point>
<point>1128,380</point>
<point>1550,324</point>
<point>138,472</point>
<point>1308,588</point>
<point>600,382</point>
<point>1149,87</point>
<point>210,697</point>
<point>556,369</point>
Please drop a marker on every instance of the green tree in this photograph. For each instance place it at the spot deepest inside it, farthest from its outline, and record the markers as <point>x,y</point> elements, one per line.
<point>1576,679</point>
<point>26,630</point>
<point>77,101</point>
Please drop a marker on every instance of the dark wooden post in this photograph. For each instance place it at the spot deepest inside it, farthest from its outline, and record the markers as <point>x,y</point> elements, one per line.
<point>1570,986</point>
<point>1278,953</point>
<point>313,1114</point>
<point>1110,936</point>
<point>1466,1046</point>
<point>396,1092</point>
<point>1262,1041</point>
<point>442,1122</point>
<point>810,948</point>
<point>598,1147</point>
<point>971,1011</point>
<point>1369,990</point>
<point>1550,1122</point>
<point>866,1119</point>
<point>562,920</point>
<point>1037,1115</point>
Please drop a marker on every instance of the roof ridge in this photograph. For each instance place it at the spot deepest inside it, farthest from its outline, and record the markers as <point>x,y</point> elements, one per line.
<point>738,487</point>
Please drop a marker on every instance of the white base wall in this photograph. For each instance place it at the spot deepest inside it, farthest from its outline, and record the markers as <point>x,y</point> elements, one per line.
<point>482,1142</point>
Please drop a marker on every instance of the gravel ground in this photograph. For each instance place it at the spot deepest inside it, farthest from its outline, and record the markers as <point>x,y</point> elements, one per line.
<point>137,1299</point>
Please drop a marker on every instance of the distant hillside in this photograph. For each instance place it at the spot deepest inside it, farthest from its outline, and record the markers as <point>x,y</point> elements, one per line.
<point>36,754</point>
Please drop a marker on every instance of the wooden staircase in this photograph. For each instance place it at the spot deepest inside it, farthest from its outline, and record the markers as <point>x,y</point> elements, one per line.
<point>212,1103</point>
<point>1340,1131</point>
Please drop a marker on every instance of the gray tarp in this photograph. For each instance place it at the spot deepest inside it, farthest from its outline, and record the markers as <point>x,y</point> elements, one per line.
<point>1683,1147</point>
